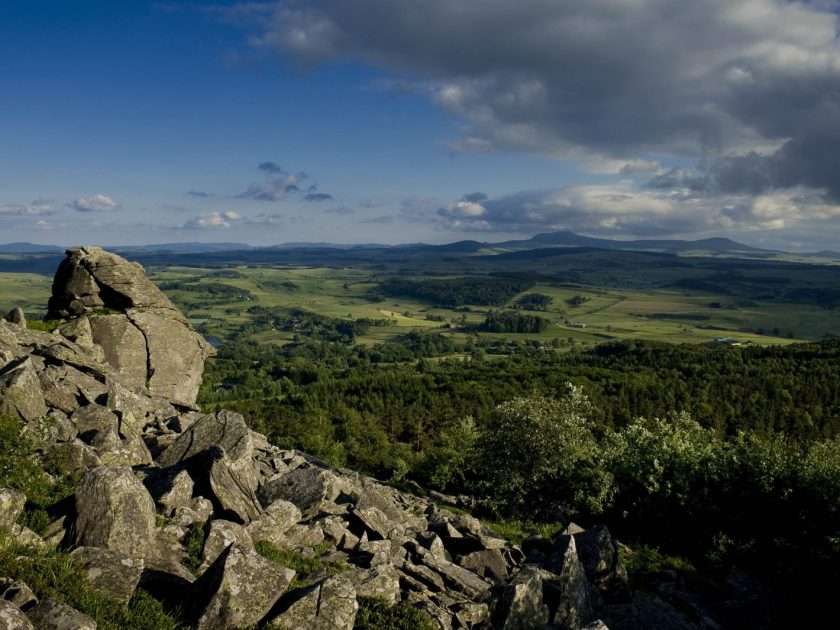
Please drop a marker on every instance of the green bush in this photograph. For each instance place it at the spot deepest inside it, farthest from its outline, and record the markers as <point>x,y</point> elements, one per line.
<point>539,455</point>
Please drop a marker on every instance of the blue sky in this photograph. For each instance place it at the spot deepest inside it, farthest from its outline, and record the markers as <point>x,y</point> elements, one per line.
<point>402,120</point>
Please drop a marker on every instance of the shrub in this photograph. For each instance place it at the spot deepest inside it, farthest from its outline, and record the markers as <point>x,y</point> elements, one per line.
<point>539,455</point>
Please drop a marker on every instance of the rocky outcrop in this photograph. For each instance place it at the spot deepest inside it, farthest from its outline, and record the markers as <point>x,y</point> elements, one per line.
<point>141,333</point>
<point>109,396</point>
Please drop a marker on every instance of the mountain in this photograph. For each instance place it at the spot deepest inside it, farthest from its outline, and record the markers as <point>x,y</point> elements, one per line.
<point>716,245</point>
<point>30,248</point>
<point>183,248</point>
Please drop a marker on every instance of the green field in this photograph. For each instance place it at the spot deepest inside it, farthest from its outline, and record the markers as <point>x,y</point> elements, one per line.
<point>657,314</point>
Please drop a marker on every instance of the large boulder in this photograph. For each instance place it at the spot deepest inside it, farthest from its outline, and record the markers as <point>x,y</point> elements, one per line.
<point>238,590</point>
<point>328,605</point>
<point>144,337</point>
<point>20,391</point>
<point>225,429</point>
<point>110,572</point>
<point>115,511</point>
<point>52,615</point>
<point>11,618</point>
<point>11,505</point>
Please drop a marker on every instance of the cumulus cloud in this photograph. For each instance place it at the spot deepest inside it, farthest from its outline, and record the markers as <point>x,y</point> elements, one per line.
<point>213,221</point>
<point>97,203</point>
<point>39,207</point>
<point>620,209</point>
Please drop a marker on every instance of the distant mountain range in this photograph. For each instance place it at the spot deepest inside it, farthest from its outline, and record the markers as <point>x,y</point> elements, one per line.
<point>712,246</point>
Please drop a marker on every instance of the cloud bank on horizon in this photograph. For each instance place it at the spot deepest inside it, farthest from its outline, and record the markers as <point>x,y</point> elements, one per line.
<point>717,115</point>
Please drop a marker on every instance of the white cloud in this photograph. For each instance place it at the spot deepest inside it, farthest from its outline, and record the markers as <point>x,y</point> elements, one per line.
<point>38,207</point>
<point>97,203</point>
<point>213,221</point>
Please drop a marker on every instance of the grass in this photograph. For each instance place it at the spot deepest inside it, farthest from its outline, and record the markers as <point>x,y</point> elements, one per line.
<point>54,574</point>
<point>643,563</point>
<point>517,530</point>
<point>304,568</point>
<point>377,614</point>
<point>20,471</point>
<point>194,545</point>
<point>669,315</point>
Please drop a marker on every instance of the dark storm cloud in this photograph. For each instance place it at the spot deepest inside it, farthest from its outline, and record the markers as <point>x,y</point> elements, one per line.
<point>601,82</point>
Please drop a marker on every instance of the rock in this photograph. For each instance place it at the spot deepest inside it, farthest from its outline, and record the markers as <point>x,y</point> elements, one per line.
<point>238,590</point>
<point>93,420</point>
<point>72,457</point>
<point>376,523</point>
<point>455,577</point>
<point>11,505</point>
<point>26,537</point>
<point>595,625</point>
<point>221,535</point>
<point>147,336</point>
<point>382,581</point>
<point>176,355</point>
<point>79,332</point>
<point>305,487</point>
<point>123,345</point>
<point>566,589</point>
<point>52,615</point>
<point>224,429</point>
<point>20,595</point>
<point>599,556</point>
<point>489,563</point>
<point>232,488</point>
<point>170,489</point>
<point>114,511</point>
<point>110,572</point>
<point>272,525</point>
<point>328,605</point>
<point>521,604</point>
<point>20,391</point>
<point>16,316</point>
<point>11,618</point>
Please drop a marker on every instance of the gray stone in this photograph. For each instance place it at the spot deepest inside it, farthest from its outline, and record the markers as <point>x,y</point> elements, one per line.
<point>11,505</point>
<point>521,604</point>
<point>71,457</point>
<point>457,578</point>
<point>224,429</point>
<point>123,345</point>
<point>305,487</point>
<point>489,563</point>
<point>52,615</point>
<point>239,590</point>
<point>115,511</point>
<point>20,595</point>
<point>11,618</point>
<point>382,581</point>
<point>171,489</point>
<point>232,487</point>
<point>16,316</point>
<point>328,605</point>
<point>148,340</point>
<point>566,589</point>
<point>221,535</point>
<point>598,554</point>
<point>272,525</point>
<point>20,391</point>
<point>94,420</point>
<point>176,355</point>
<point>110,572</point>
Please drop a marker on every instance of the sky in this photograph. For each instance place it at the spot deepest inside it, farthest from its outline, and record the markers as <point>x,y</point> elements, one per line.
<point>394,121</point>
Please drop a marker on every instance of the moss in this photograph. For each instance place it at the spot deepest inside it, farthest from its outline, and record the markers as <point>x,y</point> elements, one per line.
<point>304,568</point>
<point>54,574</point>
<point>376,614</point>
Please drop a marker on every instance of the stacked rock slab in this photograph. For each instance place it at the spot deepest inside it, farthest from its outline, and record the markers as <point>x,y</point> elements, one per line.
<point>143,336</point>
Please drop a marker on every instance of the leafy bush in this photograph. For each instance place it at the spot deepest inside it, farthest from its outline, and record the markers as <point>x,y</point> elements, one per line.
<point>539,455</point>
